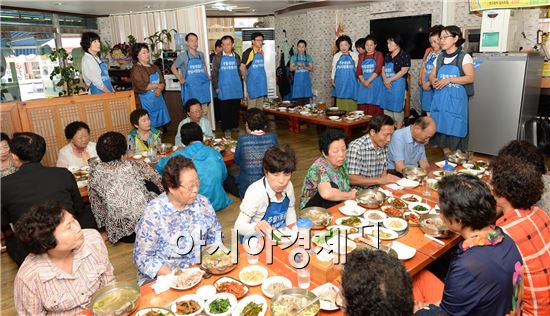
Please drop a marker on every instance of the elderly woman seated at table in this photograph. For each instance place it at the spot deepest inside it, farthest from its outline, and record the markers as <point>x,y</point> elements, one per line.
<point>485,276</point>
<point>193,108</point>
<point>6,163</point>
<point>174,223</point>
<point>208,163</point>
<point>327,180</point>
<point>269,202</point>
<point>251,148</point>
<point>79,149</point>
<point>143,136</point>
<point>374,283</point>
<point>66,264</point>
<point>120,189</point>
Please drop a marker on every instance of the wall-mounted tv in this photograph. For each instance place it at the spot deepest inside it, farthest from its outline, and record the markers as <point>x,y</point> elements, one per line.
<point>413,31</point>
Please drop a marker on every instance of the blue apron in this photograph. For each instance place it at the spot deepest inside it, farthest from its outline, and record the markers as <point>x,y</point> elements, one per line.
<point>373,94</point>
<point>393,99</point>
<point>450,104</point>
<point>275,214</point>
<point>229,82</point>
<point>256,79</point>
<point>427,96</point>
<point>104,77</point>
<point>301,87</point>
<point>345,79</point>
<point>158,113</point>
<point>197,85</point>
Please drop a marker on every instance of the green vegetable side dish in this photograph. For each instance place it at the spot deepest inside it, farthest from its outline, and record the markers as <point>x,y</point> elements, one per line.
<point>475,167</point>
<point>420,208</point>
<point>221,305</point>
<point>252,309</point>
<point>352,221</point>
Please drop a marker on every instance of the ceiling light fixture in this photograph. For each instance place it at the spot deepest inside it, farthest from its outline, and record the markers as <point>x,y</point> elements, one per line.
<point>148,7</point>
<point>59,3</point>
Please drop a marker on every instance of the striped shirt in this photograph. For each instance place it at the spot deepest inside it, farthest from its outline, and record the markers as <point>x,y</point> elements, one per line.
<point>41,288</point>
<point>364,159</point>
<point>530,229</point>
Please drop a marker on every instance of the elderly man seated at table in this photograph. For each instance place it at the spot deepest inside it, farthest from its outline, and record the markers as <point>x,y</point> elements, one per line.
<point>251,148</point>
<point>208,163</point>
<point>120,189</point>
<point>367,155</point>
<point>484,277</point>
<point>327,180</point>
<point>79,149</point>
<point>517,187</point>
<point>193,108</point>
<point>35,183</point>
<point>173,224</point>
<point>374,283</point>
<point>530,154</point>
<point>269,202</point>
<point>66,264</point>
<point>407,145</point>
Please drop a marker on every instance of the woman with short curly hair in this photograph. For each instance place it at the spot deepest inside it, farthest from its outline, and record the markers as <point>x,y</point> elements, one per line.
<point>66,264</point>
<point>120,189</point>
<point>79,149</point>
<point>94,72</point>
<point>344,81</point>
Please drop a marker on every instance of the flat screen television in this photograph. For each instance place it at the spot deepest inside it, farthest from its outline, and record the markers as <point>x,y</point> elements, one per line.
<point>413,31</point>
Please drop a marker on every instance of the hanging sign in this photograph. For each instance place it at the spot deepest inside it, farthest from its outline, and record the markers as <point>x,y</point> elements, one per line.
<point>479,5</point>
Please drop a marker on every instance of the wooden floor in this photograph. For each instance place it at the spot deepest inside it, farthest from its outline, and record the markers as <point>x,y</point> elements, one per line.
<point>306,147</point>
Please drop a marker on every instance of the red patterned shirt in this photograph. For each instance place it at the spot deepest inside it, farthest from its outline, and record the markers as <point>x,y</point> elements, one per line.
<point>530,229</point>
<point>42,288</point>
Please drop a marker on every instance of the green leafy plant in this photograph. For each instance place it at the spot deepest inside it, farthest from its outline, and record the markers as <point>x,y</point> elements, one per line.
<point>163,37</point>
<point>69,76</point>
<point>105,49</point>
<point>131,40</point>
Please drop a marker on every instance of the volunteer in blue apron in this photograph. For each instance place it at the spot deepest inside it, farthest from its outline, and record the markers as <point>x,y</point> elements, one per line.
<point>344,81</point>
<point>94,71</point>
<point>302,65</point>
<point>226,81</point>
<point>450,101</point>
<point>370,65</point>
<point>396,68</point>
<point>269,202</point>
<point>192,74</point>
<point>149,84</point>
<point>253,68</point>
<point>426,92</point>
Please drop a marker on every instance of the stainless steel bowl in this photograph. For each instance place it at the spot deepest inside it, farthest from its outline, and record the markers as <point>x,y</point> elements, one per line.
<point>298,293</point>
<point>432,225</point>
<point>218,262</point>
<point>370,198</point>
<point>320,216</point>
<point>414,173</point>
<point>457,157</point>
<point>105,303</point>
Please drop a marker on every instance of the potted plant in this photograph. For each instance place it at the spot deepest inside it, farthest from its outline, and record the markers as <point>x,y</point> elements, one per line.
<point>160,40</point>
<point>121,54</point>
<point>69,79</point>
<point>104,52</point>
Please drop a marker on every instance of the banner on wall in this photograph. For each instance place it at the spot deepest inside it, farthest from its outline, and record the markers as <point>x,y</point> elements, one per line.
<point>479,5</point>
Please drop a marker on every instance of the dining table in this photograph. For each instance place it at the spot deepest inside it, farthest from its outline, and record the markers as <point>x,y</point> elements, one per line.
<point>321,271</point>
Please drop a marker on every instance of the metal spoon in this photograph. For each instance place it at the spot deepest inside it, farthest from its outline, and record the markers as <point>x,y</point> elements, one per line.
<point>307,305</point>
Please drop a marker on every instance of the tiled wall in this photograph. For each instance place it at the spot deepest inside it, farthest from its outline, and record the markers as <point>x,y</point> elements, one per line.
<point>317,27</point>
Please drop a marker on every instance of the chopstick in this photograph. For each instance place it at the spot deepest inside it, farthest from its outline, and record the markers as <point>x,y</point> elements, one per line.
<point>434,239</point>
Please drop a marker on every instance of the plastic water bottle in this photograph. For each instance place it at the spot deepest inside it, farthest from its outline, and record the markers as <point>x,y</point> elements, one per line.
<point>304,225</point>
<point>304,276</point>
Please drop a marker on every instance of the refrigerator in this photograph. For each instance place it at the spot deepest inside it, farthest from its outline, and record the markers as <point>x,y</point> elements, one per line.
<point>504,106</point>
<point>270,62</point>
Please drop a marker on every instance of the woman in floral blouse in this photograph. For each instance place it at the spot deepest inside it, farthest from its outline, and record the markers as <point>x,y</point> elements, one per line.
<point>6,164</point>
<point>485,275</point>
<point>119,189</point>
<point>327,180</point>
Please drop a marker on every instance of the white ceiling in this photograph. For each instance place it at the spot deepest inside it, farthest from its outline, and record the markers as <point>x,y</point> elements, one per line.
<point>101,7</point>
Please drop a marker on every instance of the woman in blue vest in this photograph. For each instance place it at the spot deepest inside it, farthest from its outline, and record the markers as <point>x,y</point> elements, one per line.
<point>192,75</point>
<point>148,82</point>
<point>253,68</point>
<point>426,91</point>
<point>396,69</point>
<point>369,70</point>
<point>226,81</point>
<point>269,202</point>
<point>302,65</point>
<point>450,101</point>
<point>344,81</point>
<point>94,71</point>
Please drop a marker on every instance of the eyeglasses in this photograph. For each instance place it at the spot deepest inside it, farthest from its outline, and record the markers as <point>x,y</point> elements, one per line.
<point>190,186</point>
<point>441,38</point>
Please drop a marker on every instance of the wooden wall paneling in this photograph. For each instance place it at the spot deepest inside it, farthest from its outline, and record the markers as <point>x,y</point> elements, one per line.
<point>96,115</point>
<point>10,122</point>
